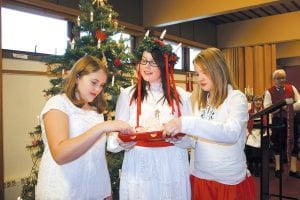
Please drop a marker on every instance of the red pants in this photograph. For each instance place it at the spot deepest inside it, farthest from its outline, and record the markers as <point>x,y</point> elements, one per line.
<point>211,190</point>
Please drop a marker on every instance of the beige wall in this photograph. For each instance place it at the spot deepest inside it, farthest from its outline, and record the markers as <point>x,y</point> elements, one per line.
<point>22,102</point>
<point>288,49</point>
<point>272,29</point>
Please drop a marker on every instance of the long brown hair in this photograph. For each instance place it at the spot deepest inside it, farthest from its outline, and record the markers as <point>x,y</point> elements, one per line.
<point>85,66</point>
<point>213,63</point>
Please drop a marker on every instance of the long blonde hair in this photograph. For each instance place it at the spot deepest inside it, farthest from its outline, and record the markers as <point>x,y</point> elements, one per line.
<point>213,63</point>
<point>85,66</point>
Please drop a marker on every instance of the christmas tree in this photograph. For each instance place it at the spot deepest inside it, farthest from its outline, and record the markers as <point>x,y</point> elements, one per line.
<point>91,35</point>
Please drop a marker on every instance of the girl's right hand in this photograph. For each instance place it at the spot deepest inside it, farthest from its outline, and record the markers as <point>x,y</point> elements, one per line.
<point>120,126</point>
<point>126,145</point>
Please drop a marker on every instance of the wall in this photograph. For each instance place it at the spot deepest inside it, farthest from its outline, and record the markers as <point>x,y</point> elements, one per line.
<point>292,75</point>
<point>199,31</point>
<point>272,29</point>
<point>22,102</point>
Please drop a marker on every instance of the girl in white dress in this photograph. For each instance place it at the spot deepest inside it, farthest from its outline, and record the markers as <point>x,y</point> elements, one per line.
<point>73,164</point>
<point>153,169</point>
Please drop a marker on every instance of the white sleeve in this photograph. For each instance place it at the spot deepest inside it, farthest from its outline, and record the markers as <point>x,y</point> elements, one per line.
<point>186,105</point>
<point>57,102</point>
<point>122,113</point>
<point>186,110</point>
<point>267,99</point>
<point>227,131</point>
<point>297,99</point>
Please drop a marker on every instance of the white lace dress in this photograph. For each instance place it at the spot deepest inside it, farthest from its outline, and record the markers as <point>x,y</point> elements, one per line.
<point>85,178</point>
<point>153,173</point>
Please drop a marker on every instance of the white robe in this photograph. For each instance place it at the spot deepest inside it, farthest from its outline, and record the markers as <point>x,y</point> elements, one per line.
<point>150,173</point>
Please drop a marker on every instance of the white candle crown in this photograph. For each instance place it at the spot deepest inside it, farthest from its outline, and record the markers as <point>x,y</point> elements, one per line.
<point>163,34</point>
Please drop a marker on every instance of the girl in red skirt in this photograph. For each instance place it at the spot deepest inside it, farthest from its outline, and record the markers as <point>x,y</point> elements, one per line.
<point>218,164</point>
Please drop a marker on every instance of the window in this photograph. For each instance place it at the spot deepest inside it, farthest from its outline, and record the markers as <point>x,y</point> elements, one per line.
<point>193,54</point>
<point>33,33</point>
<point>178,49</point>
<point>123,36</point>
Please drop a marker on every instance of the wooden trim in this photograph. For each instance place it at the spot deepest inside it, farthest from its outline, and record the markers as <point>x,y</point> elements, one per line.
<point>184,41</point>
<point>36,73</point>
<point>1,118</point>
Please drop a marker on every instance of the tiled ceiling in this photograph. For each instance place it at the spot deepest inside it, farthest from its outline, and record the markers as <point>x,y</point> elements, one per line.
<point>281,7</point>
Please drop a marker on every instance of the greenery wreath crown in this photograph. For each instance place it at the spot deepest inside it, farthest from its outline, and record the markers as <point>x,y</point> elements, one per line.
<point>150,43</point>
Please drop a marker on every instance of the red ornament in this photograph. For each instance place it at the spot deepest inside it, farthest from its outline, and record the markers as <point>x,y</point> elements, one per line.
<point>101,35</point>
<point>159,42</point>
<point>173,57</point>
<point>117,62</point>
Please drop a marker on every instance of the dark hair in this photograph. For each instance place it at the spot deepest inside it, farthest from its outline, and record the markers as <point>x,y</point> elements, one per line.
<point>159,59</point>
<point>85,66</point>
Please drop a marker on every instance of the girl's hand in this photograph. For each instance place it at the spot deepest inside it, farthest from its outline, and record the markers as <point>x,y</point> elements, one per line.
<point>108,198</point>
<point>172,127</point>
<point>120,126</point>
<point>126,145</point>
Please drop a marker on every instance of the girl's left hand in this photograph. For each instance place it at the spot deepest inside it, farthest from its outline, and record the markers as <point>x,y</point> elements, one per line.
<point>172,127</point>
<point>126,145</point>
<point>109,197</point>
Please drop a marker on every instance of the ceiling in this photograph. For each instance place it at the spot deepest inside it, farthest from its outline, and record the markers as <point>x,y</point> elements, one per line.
<point>276,8</point>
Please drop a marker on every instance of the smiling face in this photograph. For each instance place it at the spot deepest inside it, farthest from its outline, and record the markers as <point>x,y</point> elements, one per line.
<point>204,79</point>
<point>89,86</point>
<point>149,68</point>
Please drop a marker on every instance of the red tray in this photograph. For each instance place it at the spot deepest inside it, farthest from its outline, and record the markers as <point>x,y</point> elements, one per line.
<point>144,136</point>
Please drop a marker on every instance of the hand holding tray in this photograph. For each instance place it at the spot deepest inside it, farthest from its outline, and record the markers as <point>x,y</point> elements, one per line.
<point>144,136</point>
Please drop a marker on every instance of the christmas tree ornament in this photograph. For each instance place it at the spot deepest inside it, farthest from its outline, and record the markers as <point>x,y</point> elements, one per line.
<point>98,44</point>
<point>101,35</point>
<point>116,24</point>
<point>104,59</point>
<point>72,44</point>
<point>78,21</point>
<point>99,3</point>
<point>91,16</point>
<point>117,62</point>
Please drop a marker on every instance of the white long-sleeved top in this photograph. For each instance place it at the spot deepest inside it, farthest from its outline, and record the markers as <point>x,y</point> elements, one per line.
<point>128,113</point>
<point>221,136</point>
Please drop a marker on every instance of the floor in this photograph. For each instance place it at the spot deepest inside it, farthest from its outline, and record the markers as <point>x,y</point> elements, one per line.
<point>290,185</point>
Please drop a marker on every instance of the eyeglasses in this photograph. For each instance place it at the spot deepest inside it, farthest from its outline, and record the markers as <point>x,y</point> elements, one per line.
<point>280,79</point>
<point>151,63</point>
